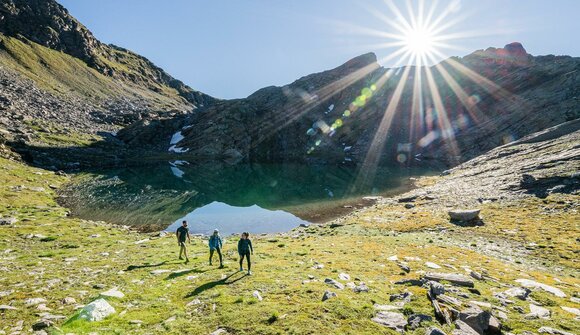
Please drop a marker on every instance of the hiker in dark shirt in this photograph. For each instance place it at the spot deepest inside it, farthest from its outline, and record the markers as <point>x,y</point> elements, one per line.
<point>244,249</point>
<point>182,233</point>
<point>215,244</point>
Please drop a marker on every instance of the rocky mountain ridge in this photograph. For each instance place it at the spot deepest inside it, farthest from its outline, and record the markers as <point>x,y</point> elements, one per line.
<point>469,105</point>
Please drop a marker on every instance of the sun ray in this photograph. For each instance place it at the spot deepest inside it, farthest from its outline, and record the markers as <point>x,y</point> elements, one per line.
<point>368,168</point>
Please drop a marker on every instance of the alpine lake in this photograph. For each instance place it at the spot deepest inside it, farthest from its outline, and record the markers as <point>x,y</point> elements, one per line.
<point>258,198</point>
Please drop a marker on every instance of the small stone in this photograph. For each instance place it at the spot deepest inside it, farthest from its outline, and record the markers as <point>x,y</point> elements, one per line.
<point>386,307</point>
<point>538,312</point>
<point>256,294</point>
<point>135,322</point>
<point>114,292</point>
<point>404,267</point>
<point>8,221</point>
<point>160,271</point>
<point>343,276</point>
<point>432,265</point>
<point>68,301</point>
<point>405,296</point>
<point>476,275</point>
<point>7,308</point>
<point>42,324</point>
<point>99,286</point>
<point>328,295</point>
<point>518,292</point>
<point>219,331</point>
<point>334,283</point>
<point>362,287</point>
<point>317,266</point>
<point>393,258</point>
<point>34,301</point>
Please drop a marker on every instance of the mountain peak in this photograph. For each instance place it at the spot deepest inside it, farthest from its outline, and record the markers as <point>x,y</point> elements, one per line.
<point>361,61</point>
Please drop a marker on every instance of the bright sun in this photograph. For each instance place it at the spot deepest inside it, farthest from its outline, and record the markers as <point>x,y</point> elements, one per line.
<point>419,41</point>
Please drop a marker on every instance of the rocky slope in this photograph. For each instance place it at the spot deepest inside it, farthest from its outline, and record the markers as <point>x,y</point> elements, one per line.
<point>469,105</point>
<point>57,81</point>
<point>381,270</point>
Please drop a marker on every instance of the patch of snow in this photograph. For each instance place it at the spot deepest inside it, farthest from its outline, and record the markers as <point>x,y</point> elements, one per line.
<point>348,148</point>
<point>186,127</point>
<point>176,138</point>
<point>177,172</point>
<point>173,148</point>
<point>179,163</point>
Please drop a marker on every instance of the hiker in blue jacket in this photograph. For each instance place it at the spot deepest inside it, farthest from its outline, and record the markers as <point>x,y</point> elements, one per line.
<point>244,249</point>
<point>215,244</point>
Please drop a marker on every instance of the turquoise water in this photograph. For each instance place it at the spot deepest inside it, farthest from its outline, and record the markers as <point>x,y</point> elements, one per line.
<point>259,198</point>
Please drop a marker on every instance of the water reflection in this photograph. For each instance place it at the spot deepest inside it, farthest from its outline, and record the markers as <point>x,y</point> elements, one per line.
<point>234,220</point>
<point>155,196</point>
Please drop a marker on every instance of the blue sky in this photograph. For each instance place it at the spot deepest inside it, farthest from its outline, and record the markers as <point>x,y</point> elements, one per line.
<point>230,48</point>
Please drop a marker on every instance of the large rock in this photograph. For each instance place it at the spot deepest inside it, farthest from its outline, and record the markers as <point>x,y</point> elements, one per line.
<point>434,331</point>
<point>479,320</point>
<point>396,321</point>
<point>464,215</point>
<point>453,278</point>
<point>463,328</point>
<point>534,284</point>
<point>96,310</point>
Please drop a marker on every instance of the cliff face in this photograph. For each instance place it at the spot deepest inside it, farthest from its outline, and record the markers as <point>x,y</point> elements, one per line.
<point>447,113</point>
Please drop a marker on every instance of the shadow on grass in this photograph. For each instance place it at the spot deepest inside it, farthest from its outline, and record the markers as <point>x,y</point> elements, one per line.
<point>178,274</point>
<point>146,265</point>
<point>212,284</point>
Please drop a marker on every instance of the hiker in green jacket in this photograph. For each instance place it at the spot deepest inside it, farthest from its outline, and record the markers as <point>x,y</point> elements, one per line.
<point>244,249</point>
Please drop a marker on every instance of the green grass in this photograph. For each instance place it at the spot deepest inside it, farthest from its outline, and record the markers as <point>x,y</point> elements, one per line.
<point>63,74</point>
<point>72,259</point>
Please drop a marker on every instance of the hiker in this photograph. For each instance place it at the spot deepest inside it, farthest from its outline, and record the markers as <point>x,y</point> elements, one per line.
<point>244,249</point>
<point>215,244</point>
<point>182,233</point>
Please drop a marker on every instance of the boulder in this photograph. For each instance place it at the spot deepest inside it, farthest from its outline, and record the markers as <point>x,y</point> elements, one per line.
<point>453,278</point>
<point>328,295</point>
<point>414,321</point>
<point>343,276</point>
<point>34,301</point>
<point>534,284</point>
<point>464,215</point>
<point>479,320</point>
<point>404,267</point>
<point>432,265</point>
<point>436,288</point>
<point>96,310</point>
<point>463,328</point>
<point>7,308</point>
<point>393,320</point>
